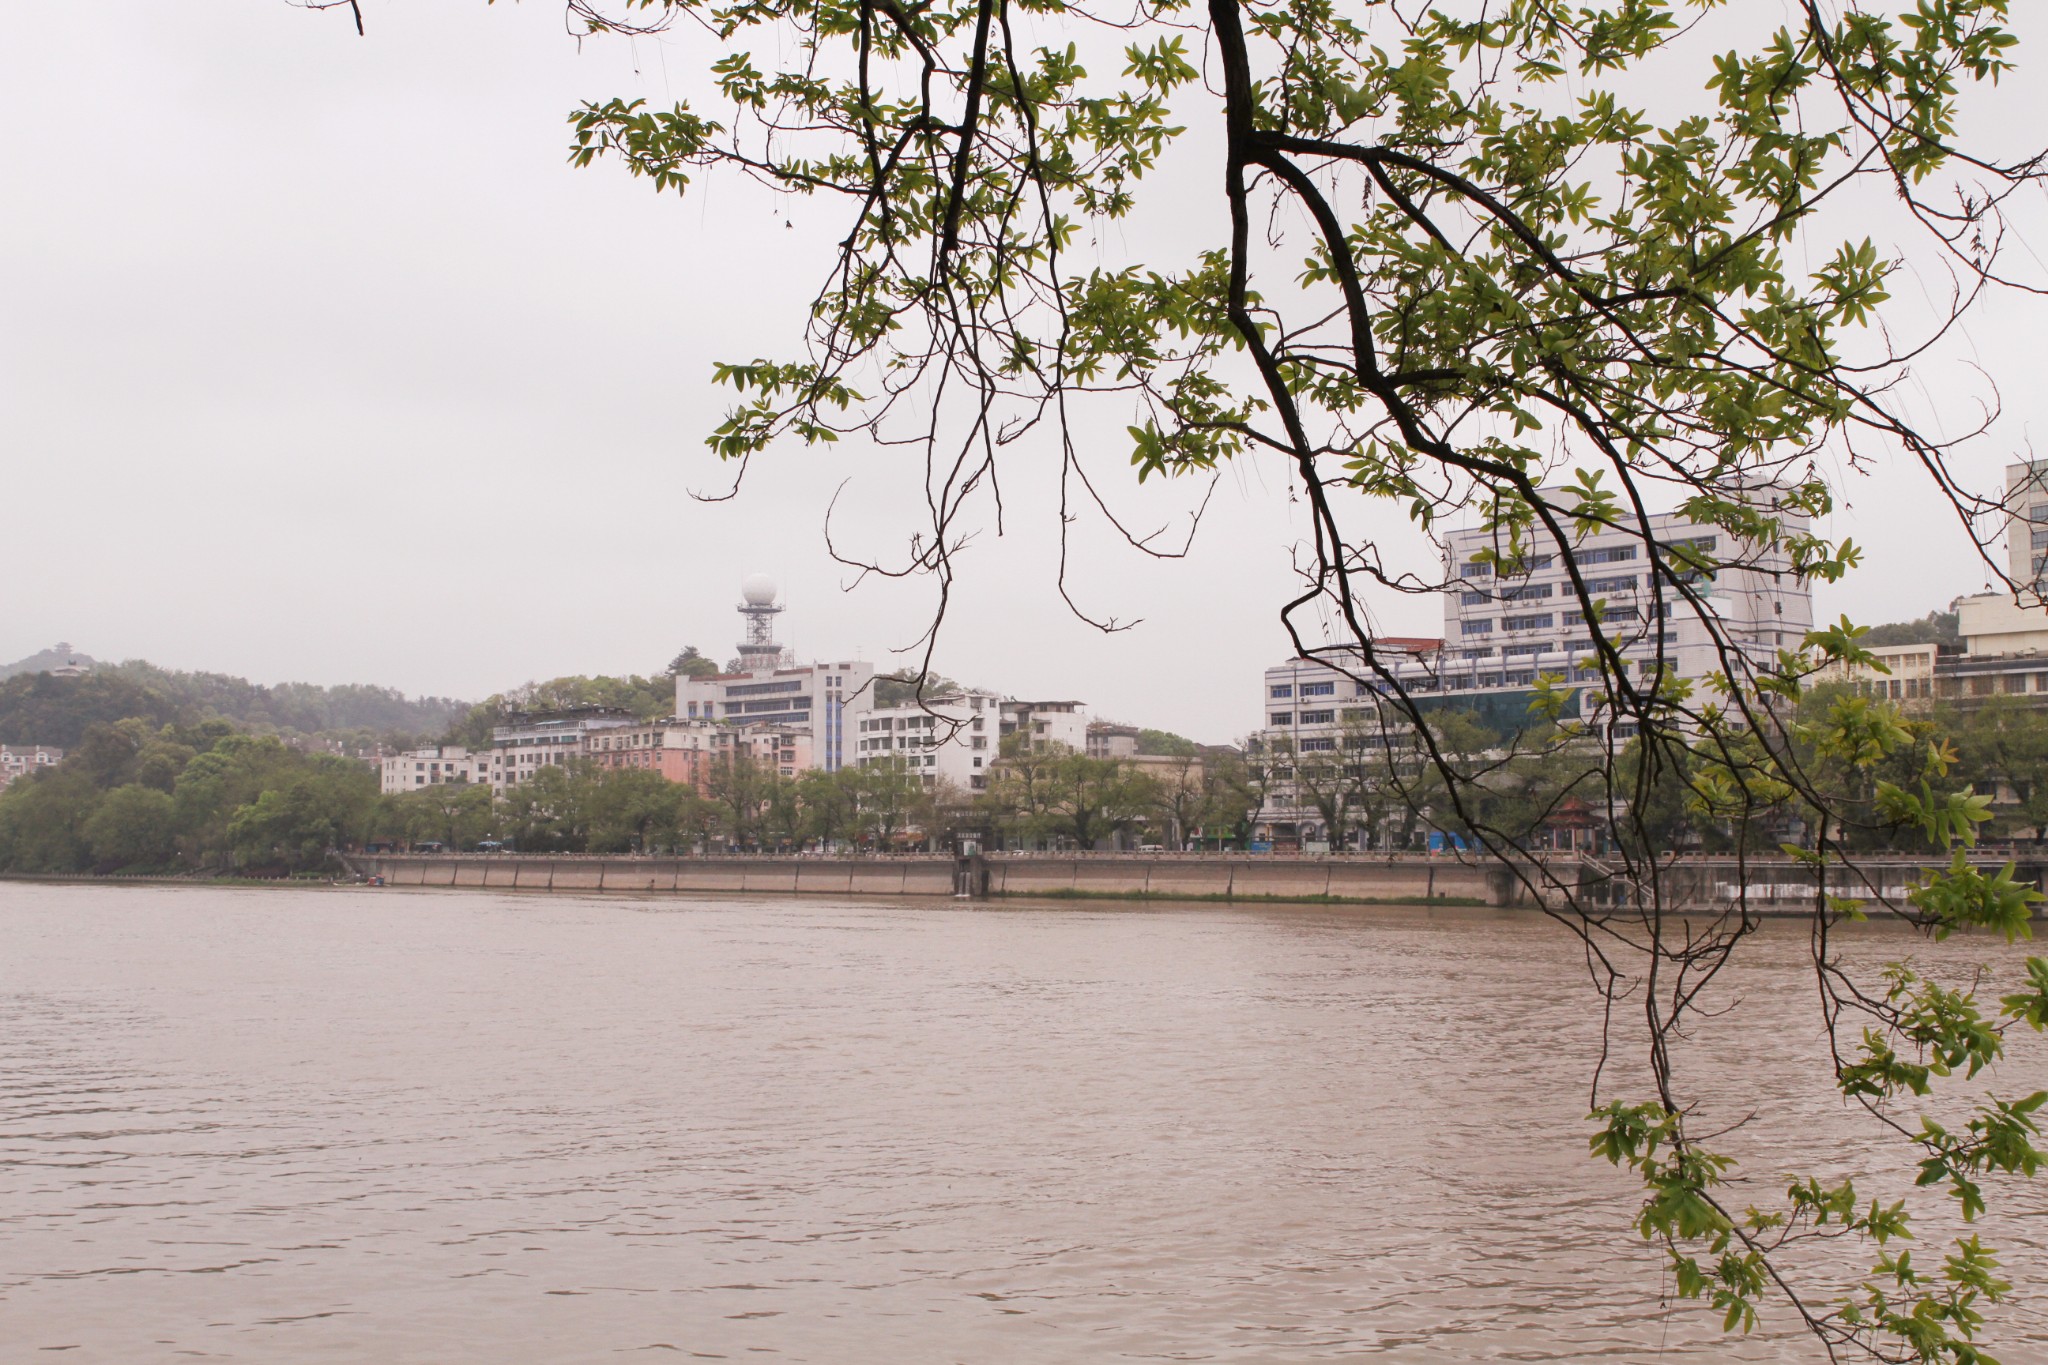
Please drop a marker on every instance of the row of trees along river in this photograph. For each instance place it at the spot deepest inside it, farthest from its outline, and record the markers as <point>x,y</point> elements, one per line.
<point>138,797</point>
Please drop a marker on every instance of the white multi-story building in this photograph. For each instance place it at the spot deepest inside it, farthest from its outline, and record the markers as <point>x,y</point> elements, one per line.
<point>765,687</point>
<point>953,738</point>
<point>1038,723</point>
<point>1503,631</point>
<point>22,760</point>
<point>525,744</point>
<point>1500,631</point>
<point>2026,524</point>
<point>1996,624</point>
<point>431,767</point>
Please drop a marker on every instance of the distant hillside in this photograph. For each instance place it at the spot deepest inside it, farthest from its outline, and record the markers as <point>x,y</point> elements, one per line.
<point>42,661</point>
<point>37,708</point>
<point>1935,628</point>
<point>306,708</point>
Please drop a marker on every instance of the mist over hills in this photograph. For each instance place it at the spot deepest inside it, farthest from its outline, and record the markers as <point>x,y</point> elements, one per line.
<point>38,707</point>
<point>58,655</point>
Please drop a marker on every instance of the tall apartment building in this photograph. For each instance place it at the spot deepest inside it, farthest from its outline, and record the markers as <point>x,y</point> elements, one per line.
<point>2026,523</point>
<point>525,744</point>
<point>2003,624</point>
<point>1502,631</point>
<point>764,686</point>
<point>431,767</point>
<point>954,738</point>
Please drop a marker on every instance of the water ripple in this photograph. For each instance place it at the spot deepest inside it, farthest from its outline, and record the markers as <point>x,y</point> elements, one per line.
<point>397,1127</point>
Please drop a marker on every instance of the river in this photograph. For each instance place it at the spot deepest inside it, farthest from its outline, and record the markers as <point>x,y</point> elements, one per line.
<point>396,1127</point>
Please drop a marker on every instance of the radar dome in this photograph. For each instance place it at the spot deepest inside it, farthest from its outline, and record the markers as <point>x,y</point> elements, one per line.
<point>759,590</point>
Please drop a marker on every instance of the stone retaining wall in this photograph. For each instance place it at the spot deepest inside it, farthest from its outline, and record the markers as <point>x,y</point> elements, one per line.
<point>1249,878</point>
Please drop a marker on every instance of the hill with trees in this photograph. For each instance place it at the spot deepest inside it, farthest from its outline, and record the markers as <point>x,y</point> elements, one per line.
<point>44,708</point>
<point>1935,628</point>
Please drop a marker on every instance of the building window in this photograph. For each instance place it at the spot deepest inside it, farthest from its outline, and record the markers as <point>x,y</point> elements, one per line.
<point>1283,718</point>
<point>1318,717</point>
<point>1612,554</point>
<point>1527,592</point>
<point>1284,690</point>
<point>1475,571</point>
<point>1319,745</point>
<point>1475,627</point>
<point>1541,621</point>
<point>1473,599</point>
<point>1319,689</point>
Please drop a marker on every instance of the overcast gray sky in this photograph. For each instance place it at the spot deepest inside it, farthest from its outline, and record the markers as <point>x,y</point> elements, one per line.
<point>318,362</point>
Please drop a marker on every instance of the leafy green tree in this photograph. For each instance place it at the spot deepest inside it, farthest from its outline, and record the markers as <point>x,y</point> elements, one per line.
<point>140,795</point>
<point>456,814</point>
<point>2002,748</point>
<point>782,812</point>
<point>1166,744</point>
<point>738,787</point>
<point>691,664</point>
<point>216,784</point>
<point>288,827</point>
<point>1089,800</point>
<point>1242,784</point>
<point>43,820</point>
<point>1184,792</point>
<point>536,812</point>
<point>891,801</point>
<point>633,810</point>
<point>831,804</point>
<point>135,825</point>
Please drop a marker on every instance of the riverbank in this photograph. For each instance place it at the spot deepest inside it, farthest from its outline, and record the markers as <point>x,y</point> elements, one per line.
<point>1214,878</point>
<point>150,879</point>
<point>1074,894</point>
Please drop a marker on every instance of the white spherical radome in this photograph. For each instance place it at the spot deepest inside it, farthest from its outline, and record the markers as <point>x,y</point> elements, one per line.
<point>758,590</point>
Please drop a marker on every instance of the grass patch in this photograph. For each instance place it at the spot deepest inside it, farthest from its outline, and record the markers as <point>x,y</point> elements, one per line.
<point>1070,893</point>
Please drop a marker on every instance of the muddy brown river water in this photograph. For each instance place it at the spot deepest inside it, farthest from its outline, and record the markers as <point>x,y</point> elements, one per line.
<point>412,1127</point>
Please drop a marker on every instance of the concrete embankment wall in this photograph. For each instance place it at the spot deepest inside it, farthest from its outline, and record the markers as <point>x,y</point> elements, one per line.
<point>780,876</point>
<point>1261,877</point>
